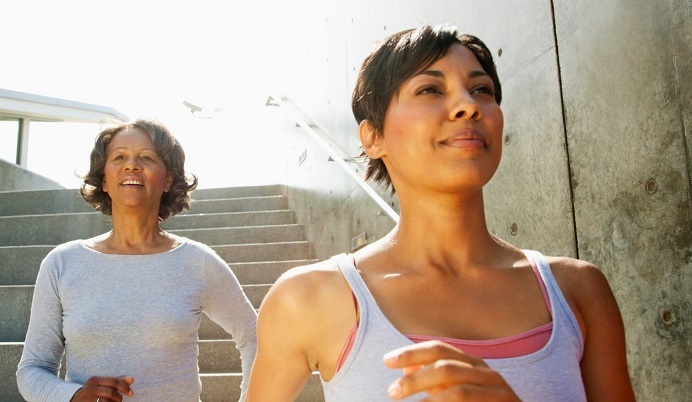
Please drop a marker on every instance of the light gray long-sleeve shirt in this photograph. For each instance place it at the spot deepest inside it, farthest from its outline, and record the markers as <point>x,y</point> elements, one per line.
<point>130,315</point>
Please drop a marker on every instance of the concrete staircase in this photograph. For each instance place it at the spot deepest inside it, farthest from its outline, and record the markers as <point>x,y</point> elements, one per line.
<point>251,228</point>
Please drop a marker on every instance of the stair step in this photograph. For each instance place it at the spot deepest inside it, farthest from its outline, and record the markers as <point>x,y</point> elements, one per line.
<point>244,235</point>
<point>221,387</point>
<point>218,356</point>
<point>10,353</point>
<point>19,265</point>
<point>226,388</point>
<point>42,202</point>
<point>238,192</point>
<point>59,228</point>
<point>69,200</point>
<point>268,203</point>
<point>229,219</point>
<point>51,229</point>
<point>254,273</point>
<point>298,250</point>
<point>256,293</point>
<point>15,309</point>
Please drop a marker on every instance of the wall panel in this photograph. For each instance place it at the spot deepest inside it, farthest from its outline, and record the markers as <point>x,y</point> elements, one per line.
<point>630,175</point>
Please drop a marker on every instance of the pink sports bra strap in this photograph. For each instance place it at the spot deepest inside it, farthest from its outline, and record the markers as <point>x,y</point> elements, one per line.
<point>351,338</point>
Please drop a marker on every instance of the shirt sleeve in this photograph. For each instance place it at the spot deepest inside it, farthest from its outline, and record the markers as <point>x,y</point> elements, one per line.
<point>226,304</point>
<point>37,372</point>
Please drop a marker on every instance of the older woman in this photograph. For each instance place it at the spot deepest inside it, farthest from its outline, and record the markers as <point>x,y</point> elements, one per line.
<point>126,306</point>
<point>439,308</point>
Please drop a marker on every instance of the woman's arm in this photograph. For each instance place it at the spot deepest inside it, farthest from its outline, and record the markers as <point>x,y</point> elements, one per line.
<point>281,367</point>
<point>604,363</point>
<point>37,372</point>
<point>302,326</point>
<point>226,304</point>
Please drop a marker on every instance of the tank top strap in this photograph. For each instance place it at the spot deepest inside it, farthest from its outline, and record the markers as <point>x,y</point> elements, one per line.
<point>532,257</point>
<point>347,267</point>
<point>360,293</point>
<point>544,274</point>
<point>561,312</point>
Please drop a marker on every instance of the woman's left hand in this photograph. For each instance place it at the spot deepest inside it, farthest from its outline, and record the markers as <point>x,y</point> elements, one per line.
<point>446,374</point>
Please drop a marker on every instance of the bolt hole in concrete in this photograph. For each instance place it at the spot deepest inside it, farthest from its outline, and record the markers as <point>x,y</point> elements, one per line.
<point>668,317</point>
<point>499,52</point>
<point>513,229</point>
<point>651,186</point>
<point>507,139</point>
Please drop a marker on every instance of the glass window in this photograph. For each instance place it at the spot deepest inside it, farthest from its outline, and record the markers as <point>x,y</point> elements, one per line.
<point>9,134</point>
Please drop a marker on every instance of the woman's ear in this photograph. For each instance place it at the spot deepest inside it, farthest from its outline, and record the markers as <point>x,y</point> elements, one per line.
<point>169,182</point>
<point>370,139</point>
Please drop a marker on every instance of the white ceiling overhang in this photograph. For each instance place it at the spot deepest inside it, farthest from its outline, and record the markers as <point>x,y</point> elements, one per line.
<point>15,104</point>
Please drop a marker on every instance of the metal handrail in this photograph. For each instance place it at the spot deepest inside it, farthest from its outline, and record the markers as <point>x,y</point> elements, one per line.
<point>334,151</point>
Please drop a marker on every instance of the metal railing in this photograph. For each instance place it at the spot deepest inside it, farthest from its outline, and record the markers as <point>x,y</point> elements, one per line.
<point>335,152</point>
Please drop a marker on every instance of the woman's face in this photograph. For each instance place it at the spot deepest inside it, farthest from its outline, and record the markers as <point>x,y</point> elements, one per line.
<point>443,128</point>
<point>134,174</point>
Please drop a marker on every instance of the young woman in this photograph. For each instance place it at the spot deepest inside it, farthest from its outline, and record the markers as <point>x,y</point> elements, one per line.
<point>439,307</point>
<point>125,306</point>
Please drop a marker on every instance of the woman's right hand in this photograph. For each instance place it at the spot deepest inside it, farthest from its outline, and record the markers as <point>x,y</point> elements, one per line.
<point>104,389</point>
<point>446,374</point>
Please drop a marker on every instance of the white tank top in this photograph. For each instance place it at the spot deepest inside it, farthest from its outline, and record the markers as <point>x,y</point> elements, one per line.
<point>549,374</point>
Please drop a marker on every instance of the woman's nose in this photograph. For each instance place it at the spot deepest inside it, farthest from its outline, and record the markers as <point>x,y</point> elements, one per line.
<point>465,107</point>
<point>132,164</point>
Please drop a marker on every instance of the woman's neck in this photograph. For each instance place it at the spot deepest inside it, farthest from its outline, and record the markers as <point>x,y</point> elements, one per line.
<point>134,234</point>
<point>444,229</point>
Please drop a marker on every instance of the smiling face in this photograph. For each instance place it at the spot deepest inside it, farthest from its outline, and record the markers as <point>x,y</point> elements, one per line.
<point>134,174</point>
<point>443,127</point>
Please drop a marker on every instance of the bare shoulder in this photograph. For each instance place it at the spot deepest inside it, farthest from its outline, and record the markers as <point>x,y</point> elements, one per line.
<point>309,272</point>
<point>309,281</point>
<point>577,275</point>
<point>306,291</point>
<point>586,289</point>
<point>306,311</point>
<point>295,329</point>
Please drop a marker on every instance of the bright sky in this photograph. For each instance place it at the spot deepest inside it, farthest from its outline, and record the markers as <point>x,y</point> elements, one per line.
<point>144,58</point>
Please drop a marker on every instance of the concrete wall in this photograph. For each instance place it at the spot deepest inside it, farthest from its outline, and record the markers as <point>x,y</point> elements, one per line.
<point>13,178</point>
<point>597,99</point>
<point>626,85</point>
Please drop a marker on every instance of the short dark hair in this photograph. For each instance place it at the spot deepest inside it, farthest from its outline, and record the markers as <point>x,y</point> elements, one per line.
<point>396,59</point>
<point>176,200</point>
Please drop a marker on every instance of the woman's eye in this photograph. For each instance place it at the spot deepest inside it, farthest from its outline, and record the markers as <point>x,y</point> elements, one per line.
<point>118,157</point>
<point>149,158</point>
<point>485,90</point>
<point>429,90</point>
